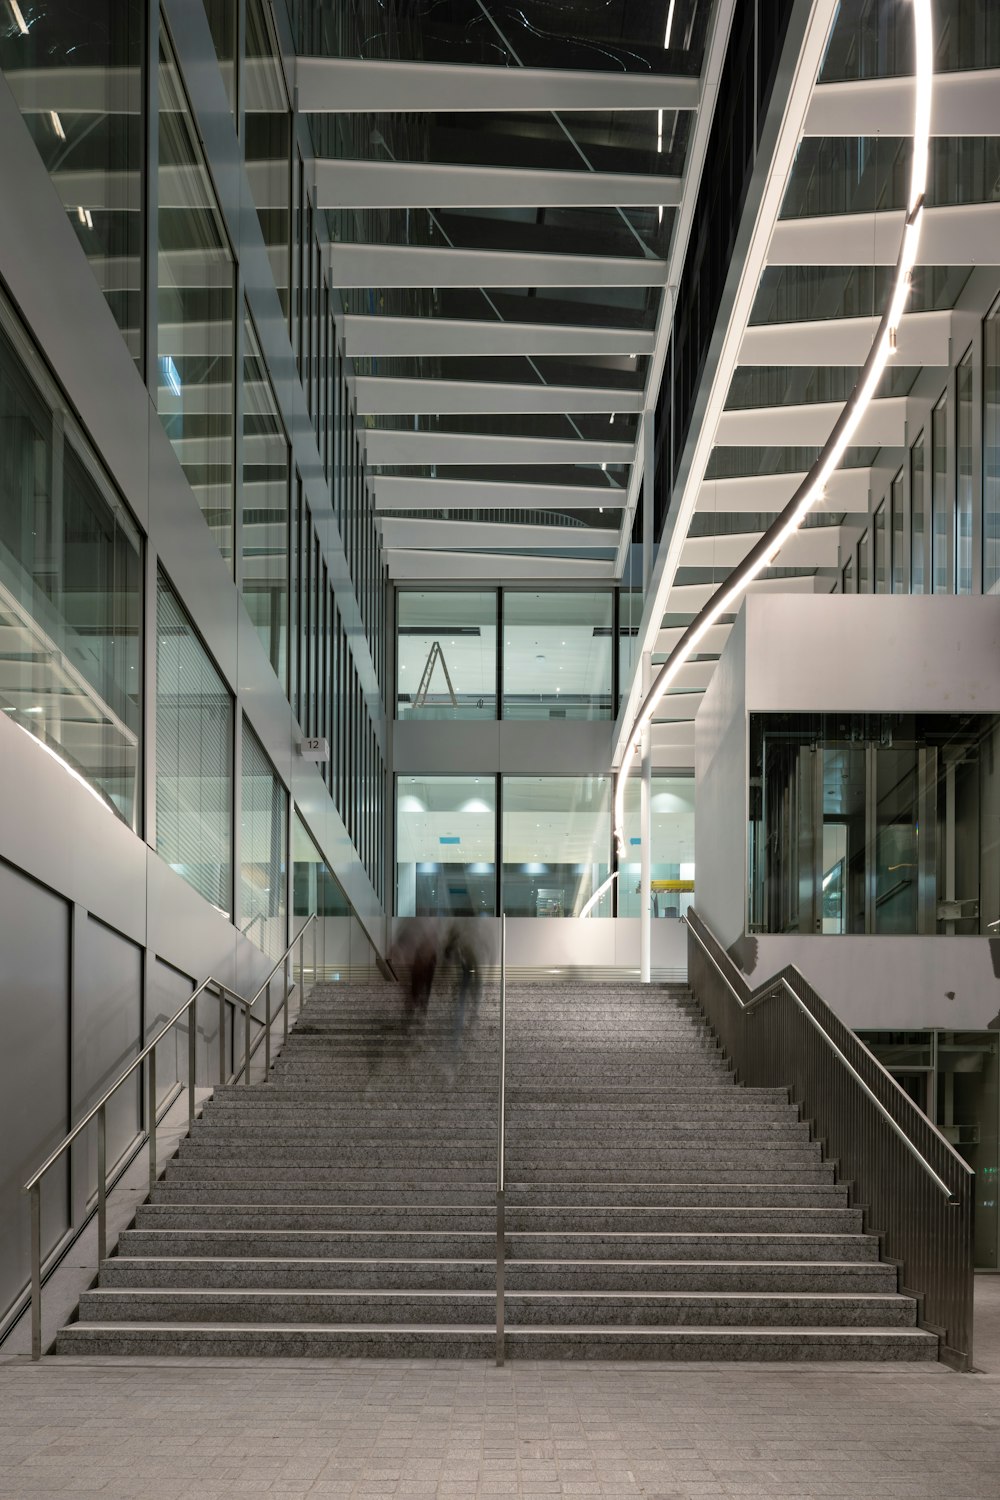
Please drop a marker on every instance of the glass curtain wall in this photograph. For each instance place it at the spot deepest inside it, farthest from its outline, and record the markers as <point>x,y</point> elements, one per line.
<point>556,844</point>
<point>70,588</point>
<point>877,823</point>
<point>263,840</point>
<point>557,655</point>
<point>195,312</point>
<point>863,564</point>
<point>268,144</point>
<point>672,858</point>
<point>264,500</point>
<point>991,450</point>
<point>446,655</point>
<point>76,71</point>
<point>881,551</point>
<point>896,503</point>
<point>445,846</point>
<point>223,20</point>
<point>919,529</point>
<point>194,756</point>
<point>963,466</point>
<point>941,510</point>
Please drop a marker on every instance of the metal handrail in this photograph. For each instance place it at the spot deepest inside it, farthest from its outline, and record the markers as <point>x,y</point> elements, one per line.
<point>915,1189</point>
<point>501,1168</point>
<point>775,984</point>
<point>226,994</point>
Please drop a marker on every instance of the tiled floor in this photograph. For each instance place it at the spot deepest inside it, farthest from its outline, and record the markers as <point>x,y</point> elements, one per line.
<point>176,1430</point>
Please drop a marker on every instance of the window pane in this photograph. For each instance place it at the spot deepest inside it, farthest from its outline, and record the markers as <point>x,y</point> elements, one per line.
<point>222,24</point>
<point>963,467</point>
<point>991,450</point>
<point>447,655</point>
<point>70,589</point>
<point>269,142</point>
<point>848,576</point>
<point>87,60</point>
<point>863,564</point>
<point>195,313</point>
<point>881,544</point>
<point>940,509</point>
<point>898,536</point>
<point>556,843</point>
<point>672,873</point>
<point>919,532</point>
<point>264,545</point>
<point>263,835</point>
<point>557,656</point>
<point>194,754</point>
<point>445,846</point>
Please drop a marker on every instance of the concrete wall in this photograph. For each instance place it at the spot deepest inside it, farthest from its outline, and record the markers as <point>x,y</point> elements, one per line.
<point>861,654</point>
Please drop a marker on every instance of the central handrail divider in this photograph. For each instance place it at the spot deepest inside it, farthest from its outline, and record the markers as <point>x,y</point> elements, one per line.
<point>917,1193</point>
<point>226,995</point>
<point>501,1104</point>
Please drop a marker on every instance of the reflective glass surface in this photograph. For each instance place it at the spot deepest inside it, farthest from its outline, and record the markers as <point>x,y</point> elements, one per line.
<point>70,589</point>
<point>269,141</point>
<point>446,655</point>
<point>445,846</point>
<point>991,450</point>
<point>194,756</point>
<point>942,513</point>
<point>264,498</point>
<point>195,306</point>
<point>919,528</point>
<point>874,38</point>
<point>76,72</point>
<point>864,174</point>
<point>873,823</point>
<point>797,294</point>
<point>881,535</point>
<point>964,482</point>
<point>557,655</point>
<point>556,844</point>
<point>900,578</point>
<point>263,840</point>
<point>672,858</point>
<point>223,20</point>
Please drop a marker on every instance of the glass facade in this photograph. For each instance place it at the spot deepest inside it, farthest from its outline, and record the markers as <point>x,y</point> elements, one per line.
<point>263,844</point>
<point>446,661</point>
<point>194,756</point>
<point>268,142</point>
<point>874,823</point>
<point>264,500</point>
<point>556,844</point>
<point>896,506</point>
<point>557,657</point>
<point>77,75</point>
<point>672,859</point>
<point>195,341</point>
<point>445,846</point>
<point>919,529</point>
<point>964,494</point>
<point>991,450</point>
<point>70,588</point>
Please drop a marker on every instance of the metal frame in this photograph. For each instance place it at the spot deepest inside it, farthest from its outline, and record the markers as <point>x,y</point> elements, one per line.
<point>501,1166</point>
<point>916,1191</point>
<point>226,995</point>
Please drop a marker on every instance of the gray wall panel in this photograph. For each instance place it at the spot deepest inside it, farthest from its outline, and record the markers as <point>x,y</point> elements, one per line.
<point>34,1083</point>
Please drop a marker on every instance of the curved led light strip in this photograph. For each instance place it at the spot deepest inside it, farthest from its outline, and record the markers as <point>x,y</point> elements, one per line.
<point>605,886</point>
<point>813,486</point>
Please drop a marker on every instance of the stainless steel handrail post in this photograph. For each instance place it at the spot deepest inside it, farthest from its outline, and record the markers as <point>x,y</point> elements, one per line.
<point>222,1037</point>
<point>267,1029</point>
<point>102,1184</point>
<point>302,965</point>
<point>192,1044</point>
<point>36,1271</point>
<point>151,1115</point>
<point>502,1081</point>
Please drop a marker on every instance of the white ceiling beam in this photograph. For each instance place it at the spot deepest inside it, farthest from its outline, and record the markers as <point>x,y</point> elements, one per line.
<point>410,492</point>
<point>966,235</point>
<point>403,337</point>
<point>965,103</point>
<point>403,447</point>
<point>922,339</point>
<point>406,533</point>
<point>405,184</point>
<point>846,490</point>
<point>385,396</point>
<point>809,425</point>
<point>329,85</point>
<point>421,265</point>
<point>445,567</point>
<point>78,91</point>
<point>812,547</point>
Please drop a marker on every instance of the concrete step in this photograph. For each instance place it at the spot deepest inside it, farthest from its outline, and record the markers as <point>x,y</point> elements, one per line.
<point>627,1203</point>
<point>438,1273</point>
<point>478,1342</point>
<point>450,1244</point>
<point>562,1309</point>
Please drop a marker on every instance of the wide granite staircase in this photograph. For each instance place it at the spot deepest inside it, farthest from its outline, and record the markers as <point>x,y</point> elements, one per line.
<point>655,1208</point>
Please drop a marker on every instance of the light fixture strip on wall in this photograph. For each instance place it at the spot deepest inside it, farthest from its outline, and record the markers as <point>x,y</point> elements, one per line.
<point>813,486</point>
